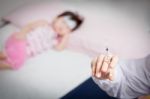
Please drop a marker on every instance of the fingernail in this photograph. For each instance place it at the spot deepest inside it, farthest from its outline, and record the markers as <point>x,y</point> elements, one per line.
<point>98,75</point>
<point>110,75</point>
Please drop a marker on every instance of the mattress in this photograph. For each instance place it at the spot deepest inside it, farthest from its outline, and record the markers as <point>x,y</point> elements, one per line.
<point>49,75</point>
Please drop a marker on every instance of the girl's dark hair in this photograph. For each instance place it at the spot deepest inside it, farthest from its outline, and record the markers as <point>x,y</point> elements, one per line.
<point>73,16</point>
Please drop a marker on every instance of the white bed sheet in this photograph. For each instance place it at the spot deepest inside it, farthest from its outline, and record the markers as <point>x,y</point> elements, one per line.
<point>50,75</point>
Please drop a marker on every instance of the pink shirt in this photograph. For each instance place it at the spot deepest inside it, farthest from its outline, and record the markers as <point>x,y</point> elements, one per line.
<point>39,40</point>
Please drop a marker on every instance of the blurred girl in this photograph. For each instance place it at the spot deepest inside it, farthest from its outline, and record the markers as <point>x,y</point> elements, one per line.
<point>37,37</point>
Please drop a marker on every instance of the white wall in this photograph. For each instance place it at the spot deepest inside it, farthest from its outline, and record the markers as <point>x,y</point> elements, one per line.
<point>142,6</point>
<point>7,6</point>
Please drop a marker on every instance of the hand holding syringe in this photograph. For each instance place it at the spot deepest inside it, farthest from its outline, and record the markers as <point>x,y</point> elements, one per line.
<point>103,66</point>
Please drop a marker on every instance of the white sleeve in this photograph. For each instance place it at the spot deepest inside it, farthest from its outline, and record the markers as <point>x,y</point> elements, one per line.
<point>132,79</point>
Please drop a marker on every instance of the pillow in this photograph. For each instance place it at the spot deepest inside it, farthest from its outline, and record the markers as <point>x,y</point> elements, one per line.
<point>104,26</point>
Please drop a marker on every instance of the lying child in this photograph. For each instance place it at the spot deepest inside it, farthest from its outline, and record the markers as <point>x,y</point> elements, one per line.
<point>37,37</point>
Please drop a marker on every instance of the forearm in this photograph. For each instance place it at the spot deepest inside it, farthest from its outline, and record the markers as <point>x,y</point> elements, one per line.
<point>62,43</point>
<point>29,27</point>
<point>59,47</point>
<point>25,30</point>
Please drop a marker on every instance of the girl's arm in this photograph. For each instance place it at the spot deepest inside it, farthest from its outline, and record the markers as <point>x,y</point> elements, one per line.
<point>62,43</point>
<point>33,25</point>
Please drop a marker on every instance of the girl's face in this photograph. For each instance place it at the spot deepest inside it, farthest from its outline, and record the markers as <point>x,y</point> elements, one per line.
<point>60,26</point>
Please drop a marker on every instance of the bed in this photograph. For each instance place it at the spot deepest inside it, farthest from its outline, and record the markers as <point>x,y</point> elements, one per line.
<point>50,75</point>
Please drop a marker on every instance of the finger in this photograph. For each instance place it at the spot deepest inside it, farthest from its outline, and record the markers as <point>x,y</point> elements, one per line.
<point>93,66</point>
<point>114,61</point>
<point>112,67</point>
<point>105,65</point>
<point>111,74</point>
<point>99,65</point>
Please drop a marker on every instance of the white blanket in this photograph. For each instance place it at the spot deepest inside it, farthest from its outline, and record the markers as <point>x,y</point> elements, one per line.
<point>47,76</point>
